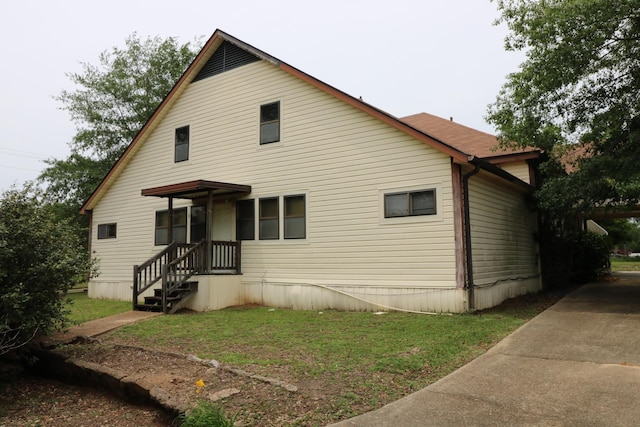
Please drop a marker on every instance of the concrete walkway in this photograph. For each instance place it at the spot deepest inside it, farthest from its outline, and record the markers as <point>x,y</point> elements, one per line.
<point>576,364</point>
<point>94,328</point>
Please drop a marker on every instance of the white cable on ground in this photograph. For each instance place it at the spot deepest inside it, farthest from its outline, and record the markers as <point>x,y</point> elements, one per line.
<point>329,288</point>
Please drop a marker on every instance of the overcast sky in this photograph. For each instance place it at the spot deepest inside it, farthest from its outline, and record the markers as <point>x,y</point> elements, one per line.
<point>403,56</point>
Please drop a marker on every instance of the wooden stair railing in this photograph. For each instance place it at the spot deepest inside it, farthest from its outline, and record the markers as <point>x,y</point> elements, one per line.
<point>151,271</point>
<point>176,273</point>
<point>175,264</point>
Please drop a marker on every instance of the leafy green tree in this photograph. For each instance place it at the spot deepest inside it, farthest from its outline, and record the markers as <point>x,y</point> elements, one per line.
<point>110,104</point>
<point>578,87</point>
<point>576,96</point>
<point>41,257</point>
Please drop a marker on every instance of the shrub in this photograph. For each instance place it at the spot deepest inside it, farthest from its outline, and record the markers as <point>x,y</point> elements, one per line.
<point>40,259</point>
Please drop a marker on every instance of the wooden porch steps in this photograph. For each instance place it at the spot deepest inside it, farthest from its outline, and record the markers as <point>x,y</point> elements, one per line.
<point>175,300</point>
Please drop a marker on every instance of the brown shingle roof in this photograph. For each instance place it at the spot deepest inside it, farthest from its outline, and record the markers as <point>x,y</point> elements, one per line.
<point>463,138</point>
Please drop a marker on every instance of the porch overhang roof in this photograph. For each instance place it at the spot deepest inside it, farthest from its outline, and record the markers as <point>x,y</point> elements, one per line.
<point>196,189</point>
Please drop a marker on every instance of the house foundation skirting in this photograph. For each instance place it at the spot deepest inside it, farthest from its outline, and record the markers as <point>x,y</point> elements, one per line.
<point>315,296</point>
<point>490,295</point>
<point>216,292</point>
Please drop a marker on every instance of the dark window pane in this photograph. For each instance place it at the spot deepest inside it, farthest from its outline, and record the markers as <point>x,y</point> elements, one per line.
<point>180,234</point>
<point>198,223</point>
<point>294,228</point>
<point>269,208</point>
<point>245,230</point>
<point>269,132</point>
<point>182,153</point>
<point>182,144</point>
<point>162,219</point>
<point>269,218</point>
<point>423,203</point>
<point>268,229</point>
<point>161,236</point>
<point>180,216</point>
<point>410,203</point>
<point>107,231</point>
<point>396,205</point>
<point>270,112</point>
<point>245,220</point>
<point>293,206</point>
<point>294,217</point>
<point>179,226</point>
<point>270,123</point>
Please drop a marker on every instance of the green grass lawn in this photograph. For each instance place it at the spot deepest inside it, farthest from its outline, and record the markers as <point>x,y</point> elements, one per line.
<point>82,308</point>
<point>625,264</point>
<point>360,360</point>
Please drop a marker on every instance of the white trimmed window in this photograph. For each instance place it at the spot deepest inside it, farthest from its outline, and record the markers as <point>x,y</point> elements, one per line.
<point>269,215</point>
<point>179,226</point>
<point>269,123</point>
<point>107,231</point>
<point>410,203</point>
<point>294,217</point>
<point>182,144</point>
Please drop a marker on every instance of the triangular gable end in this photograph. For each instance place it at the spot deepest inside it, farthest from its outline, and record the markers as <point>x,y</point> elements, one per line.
<point>227,57</point>
<point>235,54</point>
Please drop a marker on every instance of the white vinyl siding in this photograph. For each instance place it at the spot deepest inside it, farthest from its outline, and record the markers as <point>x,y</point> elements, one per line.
<point>503,231</point>
<point>519,170</point>
<point>338,156</point>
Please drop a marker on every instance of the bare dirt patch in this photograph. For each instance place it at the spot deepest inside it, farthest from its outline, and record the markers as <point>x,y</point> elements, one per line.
<point>255,397</point>
<point>28,400</point>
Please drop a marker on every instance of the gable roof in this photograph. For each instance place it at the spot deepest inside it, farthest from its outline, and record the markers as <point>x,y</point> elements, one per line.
<point>457,152</point>
<point>469,140</point>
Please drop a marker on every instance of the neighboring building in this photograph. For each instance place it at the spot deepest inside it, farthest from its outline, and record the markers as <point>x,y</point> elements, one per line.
<point>317,198</point>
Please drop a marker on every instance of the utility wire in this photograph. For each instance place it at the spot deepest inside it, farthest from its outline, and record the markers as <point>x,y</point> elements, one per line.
<point>21,153</point>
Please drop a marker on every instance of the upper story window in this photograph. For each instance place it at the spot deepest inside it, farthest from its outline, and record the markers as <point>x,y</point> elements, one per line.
<point>182,144</point>
<point>270,123</point>
<point>410,203</point>
<point>107,231</point>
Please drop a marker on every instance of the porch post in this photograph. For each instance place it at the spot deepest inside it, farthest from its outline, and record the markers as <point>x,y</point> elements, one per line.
<point>170,230</point>
<point>209,231</point>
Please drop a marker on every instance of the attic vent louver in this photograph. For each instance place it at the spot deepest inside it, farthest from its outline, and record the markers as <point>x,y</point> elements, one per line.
<point>227,57</point>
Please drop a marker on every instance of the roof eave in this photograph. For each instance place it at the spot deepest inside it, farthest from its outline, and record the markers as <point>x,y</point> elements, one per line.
<point>499,172</point>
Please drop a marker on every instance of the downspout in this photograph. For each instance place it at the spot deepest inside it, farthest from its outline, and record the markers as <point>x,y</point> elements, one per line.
<point>467,236</point>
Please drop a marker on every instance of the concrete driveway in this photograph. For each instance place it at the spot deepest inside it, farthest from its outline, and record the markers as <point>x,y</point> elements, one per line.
<point>576,364</point>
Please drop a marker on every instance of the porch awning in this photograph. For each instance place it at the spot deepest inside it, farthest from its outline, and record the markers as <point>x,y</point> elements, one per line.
<point>196,189</point>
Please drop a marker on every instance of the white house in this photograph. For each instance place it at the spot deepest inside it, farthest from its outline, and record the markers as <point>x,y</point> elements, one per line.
<point>281,190</point>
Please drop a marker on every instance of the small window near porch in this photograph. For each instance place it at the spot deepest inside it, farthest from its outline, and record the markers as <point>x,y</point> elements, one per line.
<point>107,231</point>
<point>245,220</point>
<point>269,219</point>
<point>294,217</point>
<point>411,203</point>
<point>179,226</point>
<point>182,144</point>
<point>270,123</point>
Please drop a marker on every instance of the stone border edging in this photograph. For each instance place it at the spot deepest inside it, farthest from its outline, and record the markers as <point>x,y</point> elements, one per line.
<point>52,363</point>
